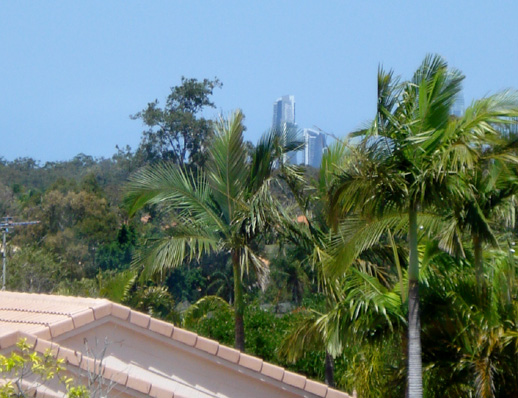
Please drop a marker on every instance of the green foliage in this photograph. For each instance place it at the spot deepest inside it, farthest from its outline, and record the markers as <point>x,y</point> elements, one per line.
<point>117,254</point>
<point>471,340</point>
<point>414,158</point>
<point>127,288</point>
<point>264,330</point>
<point>7,202</point>
<point>35,270</point>
<point>178,132</point>
<point>153,300</point>
<point>210,275</point>
<point>217,207</point>
<point>26,174</point>
<point>187,283</point>
<point>374,369</point>
<point>73,224</point>
<point>224,207</point>
<point>84,287</point>
<point>290,276</point>
<point>211,317</point>
<point>115,286</point>
<point>24,371</point>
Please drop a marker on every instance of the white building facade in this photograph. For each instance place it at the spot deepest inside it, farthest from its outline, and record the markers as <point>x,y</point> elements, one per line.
<point>283,111</point>
<point>315,144</point>
<point>284,118</point>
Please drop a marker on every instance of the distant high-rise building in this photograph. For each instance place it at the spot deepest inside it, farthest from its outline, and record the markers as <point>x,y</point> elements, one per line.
<point>510,129</point>
<point>315,144</point>
<point>284,118</point>
<point>458,106</point>
<point>284,111</point>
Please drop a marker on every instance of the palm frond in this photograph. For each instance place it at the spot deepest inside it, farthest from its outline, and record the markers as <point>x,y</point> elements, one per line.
<point>270,153</point>
<point>227,166</point>
<point>259,265</point>
<point>258,213</point>
<point>203,308</point>
<point>334,160</point>
<point>160,254</point>
<point>176,189</point>
<point>355,235</point>
<point>367,305</point>
<point>303,336</point>
<point>118,286</point>
<point>438,88</point>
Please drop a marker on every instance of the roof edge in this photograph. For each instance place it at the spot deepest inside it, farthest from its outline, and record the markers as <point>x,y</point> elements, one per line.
<point>96,309</point>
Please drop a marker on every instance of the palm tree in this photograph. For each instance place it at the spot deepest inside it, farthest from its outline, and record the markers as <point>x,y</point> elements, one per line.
<point>312,237</point>
<point>347,300</point>
<point>472,335</point>
<point>222,208</point>
<point>492,179</point>
<point>408,161</point>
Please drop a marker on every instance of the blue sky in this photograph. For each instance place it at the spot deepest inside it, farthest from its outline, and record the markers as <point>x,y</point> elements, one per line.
<point>72,72</point>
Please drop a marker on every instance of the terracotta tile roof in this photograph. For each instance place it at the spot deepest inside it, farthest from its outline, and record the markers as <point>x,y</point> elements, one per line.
<point>43,318</point>
<point>45,315</point>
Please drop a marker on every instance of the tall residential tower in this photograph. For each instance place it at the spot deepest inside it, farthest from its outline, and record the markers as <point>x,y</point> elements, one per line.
<point>284,111</point>
<point>284,118</point>
<point>315,144</point>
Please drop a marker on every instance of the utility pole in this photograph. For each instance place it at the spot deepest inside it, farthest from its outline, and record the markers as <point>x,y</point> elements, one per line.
<point>4,226</point>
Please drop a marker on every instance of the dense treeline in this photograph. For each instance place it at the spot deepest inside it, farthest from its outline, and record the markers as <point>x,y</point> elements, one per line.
<point>389,271</point>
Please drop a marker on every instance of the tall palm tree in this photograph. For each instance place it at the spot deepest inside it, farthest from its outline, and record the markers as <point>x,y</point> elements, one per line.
<point>312,237</point>
<point>222,208</point>
<point>409,160</point>
<point>346,300</point>
<point>493,179</point>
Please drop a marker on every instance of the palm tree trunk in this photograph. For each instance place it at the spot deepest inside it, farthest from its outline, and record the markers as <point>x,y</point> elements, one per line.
<point>415,366</point>
<point>330,370</point>
<point>239,305</point>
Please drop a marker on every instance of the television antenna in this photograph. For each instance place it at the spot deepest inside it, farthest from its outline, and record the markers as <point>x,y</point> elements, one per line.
<point>5,224</point>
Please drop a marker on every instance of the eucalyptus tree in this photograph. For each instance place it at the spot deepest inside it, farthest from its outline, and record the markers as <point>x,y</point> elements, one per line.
<point>223,207</point>
<point>409,160</point>
<point>178,132</point>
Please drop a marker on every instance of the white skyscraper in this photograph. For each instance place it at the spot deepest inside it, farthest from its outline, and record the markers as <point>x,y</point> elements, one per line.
<point>284,111</point>
<point>284,118</point>
<point>314,149</point>
<point>458,106</point>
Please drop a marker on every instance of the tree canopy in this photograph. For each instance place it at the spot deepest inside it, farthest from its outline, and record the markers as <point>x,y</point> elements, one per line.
<point>179,132</point>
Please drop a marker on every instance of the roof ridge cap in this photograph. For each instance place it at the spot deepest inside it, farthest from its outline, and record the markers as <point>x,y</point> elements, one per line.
<point>33,310</point>
<point>24,321</point>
